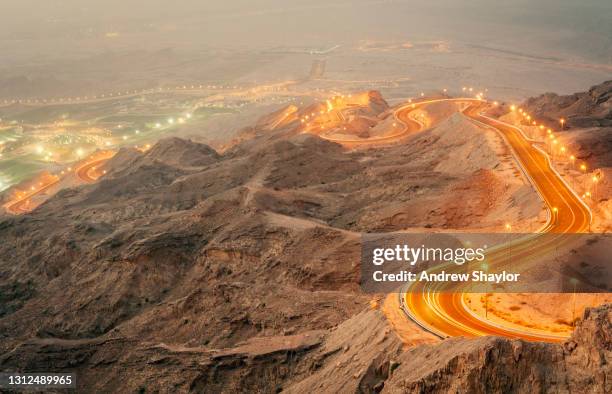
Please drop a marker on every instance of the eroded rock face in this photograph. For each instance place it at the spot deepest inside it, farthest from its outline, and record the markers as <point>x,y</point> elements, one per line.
<point>185,245</point>
<point>583,364</point>
<point>585,109</point>
<point>362,355</point>
<point>239,271</point>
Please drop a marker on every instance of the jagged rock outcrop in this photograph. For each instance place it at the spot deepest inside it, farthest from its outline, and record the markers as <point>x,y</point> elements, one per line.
<point>588,118</point>
<point>582,364</point>
<point>586,109</point>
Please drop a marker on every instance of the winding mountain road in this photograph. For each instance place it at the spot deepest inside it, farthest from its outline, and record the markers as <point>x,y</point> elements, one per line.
<point>445,313</point>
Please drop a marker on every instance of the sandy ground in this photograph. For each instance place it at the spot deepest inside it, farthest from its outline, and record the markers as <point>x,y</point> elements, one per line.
<point>519,203</point>
<point>408,332</point>
<point>554,313</point>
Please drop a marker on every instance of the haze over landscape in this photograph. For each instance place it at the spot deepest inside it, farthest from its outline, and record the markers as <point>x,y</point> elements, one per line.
<point>189,193</point>
<point>515,48</point>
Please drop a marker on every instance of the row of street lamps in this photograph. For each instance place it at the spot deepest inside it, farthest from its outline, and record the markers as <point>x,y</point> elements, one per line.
<point>553,145</point>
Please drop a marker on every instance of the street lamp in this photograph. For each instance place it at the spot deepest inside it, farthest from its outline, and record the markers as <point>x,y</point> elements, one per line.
<point>485,267</point>
<point>574,282</point>
<point>555,214</point>
<point>562,121</point>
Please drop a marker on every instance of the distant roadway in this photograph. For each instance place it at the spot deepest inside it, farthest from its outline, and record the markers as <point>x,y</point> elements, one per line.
<point>410,124</point>
<point>19,206</point>
<point>85,172</point>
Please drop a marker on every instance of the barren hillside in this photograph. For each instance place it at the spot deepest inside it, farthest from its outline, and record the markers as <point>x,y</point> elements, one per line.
<point>240,269</point>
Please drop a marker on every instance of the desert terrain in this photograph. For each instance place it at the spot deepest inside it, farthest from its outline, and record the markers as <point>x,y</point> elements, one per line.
<point>239,267</point>
<point>188,191</point>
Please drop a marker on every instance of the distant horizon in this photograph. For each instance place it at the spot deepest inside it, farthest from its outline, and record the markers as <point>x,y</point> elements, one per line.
<point>549,28</point>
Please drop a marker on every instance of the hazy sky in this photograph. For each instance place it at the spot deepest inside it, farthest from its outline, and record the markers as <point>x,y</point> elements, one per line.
<point>576,28</point>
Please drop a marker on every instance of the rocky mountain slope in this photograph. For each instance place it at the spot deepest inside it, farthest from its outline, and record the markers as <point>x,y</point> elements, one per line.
<point>185,269</point>
<point>592,108</point>
<point>588,117</point>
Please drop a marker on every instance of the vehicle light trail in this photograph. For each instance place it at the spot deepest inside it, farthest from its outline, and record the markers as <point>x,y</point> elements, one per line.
<point>402,115</point>
<point>446,313</point>
<point>85,172</point>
